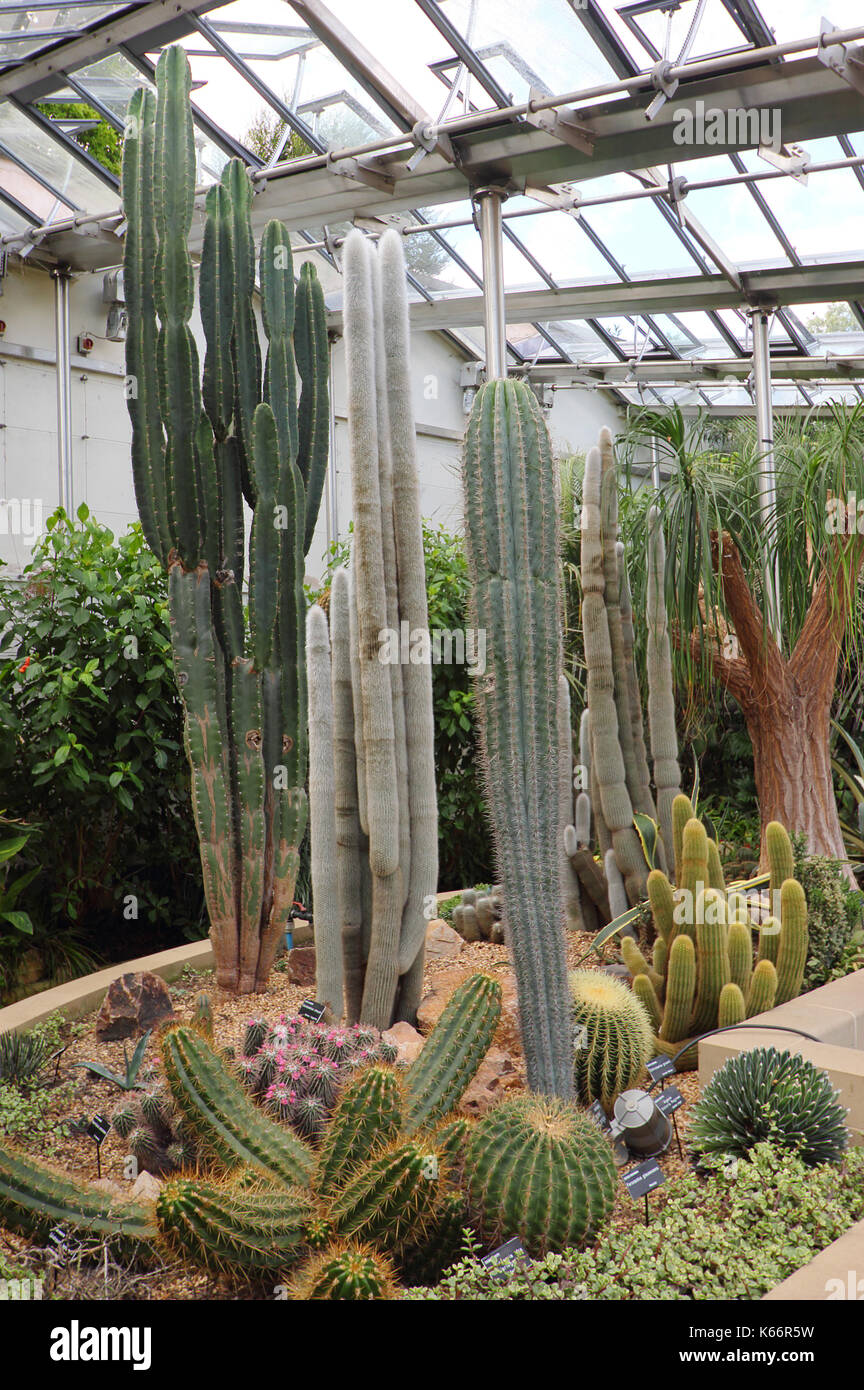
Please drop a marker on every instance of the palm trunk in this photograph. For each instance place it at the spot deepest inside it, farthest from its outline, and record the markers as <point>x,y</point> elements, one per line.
<point>786,702</point>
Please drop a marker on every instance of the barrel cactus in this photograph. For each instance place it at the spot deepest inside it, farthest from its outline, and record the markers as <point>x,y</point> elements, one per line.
<point>347,1271</point>
<point>612,1037</point>
<point>537,1169</point>
<point>772,1096</point>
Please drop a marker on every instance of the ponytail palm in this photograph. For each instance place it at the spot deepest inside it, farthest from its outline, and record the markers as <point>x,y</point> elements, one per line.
<point>719,546</point>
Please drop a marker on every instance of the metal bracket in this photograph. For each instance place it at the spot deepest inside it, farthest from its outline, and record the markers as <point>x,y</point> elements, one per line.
<point>332,247</point>
<point>789,159</point>
<point>364,171</point>
<point>847,63</point>
<point>428,141</point>
<point>562,124</point>
<point>677,193</point>
<point>664,85</point>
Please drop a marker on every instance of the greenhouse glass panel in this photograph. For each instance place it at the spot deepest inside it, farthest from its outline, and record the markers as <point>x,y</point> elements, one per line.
<point>826,212</point>
<point>74,184</point>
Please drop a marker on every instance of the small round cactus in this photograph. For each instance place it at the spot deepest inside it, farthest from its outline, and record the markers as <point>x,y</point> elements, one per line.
<point>612,1037</point>
<point>346,1272</point>
<point>537,1169</point>
<point>772,1096</point>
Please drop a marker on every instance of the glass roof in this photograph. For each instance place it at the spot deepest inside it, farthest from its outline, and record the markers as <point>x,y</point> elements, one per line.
<point>273,81</point>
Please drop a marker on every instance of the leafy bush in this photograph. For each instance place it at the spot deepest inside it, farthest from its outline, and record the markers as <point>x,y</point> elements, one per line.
<point>464,841</point>
<point>734,1235</point>
<point>772,1096</point>
<point>91,745</point>
<point>835,917</point>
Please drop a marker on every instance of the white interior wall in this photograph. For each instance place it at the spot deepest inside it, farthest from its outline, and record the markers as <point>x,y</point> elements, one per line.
<point>102,474</point>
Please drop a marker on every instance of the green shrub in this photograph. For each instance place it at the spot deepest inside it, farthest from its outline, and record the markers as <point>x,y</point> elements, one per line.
<point>733,1235</point>
<point>835,917</point>
<point>464,842</point>
<point>91,746</point>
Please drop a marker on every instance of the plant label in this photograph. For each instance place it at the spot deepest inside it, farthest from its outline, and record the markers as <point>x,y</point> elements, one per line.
<point>669,1100</point>
<point>312,1010</point>
<point>660,1067</point>
<point>507,1255</point>
<point>644,1178</point>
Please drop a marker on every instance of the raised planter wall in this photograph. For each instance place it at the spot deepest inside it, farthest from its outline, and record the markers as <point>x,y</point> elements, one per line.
<point>79,996</point>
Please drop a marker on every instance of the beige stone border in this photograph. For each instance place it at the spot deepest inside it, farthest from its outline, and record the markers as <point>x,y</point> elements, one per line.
<point>79,996</point>
<point>837,1272</point>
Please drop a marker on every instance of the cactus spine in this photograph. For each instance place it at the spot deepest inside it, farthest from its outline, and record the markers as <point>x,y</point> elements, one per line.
<point>512,553</point>
<point>384,801</point>
<point>195,445</point>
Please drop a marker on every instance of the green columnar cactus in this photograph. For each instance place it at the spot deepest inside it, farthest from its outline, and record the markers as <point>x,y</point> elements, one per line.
<point>716,877</point>
<point>739,944</point>
<point>386,836</point>
<point>329,983</point>
<point>393,1197</point>
<point>680,990</point>
<point>369,1113</point>
<point>536,1168</point>
<point>648,998</point>
<point>569,877</point>
<point>35,1198</point>
<point>792,950</point>
<point>227,1126</point>
<point>607,757</point>
<point>661,696</point>
<point>444,1070</point>
<point>660,896</point>
<point>762,993</point>
<point>612,1037</point>
<point>694,866</point>
<point>234,1229</point>
<point>781,857</point>
<point>769,939</point>
<point>197,447</point>
<point>639,750</point>
<point>512,553</point>
<point>712,959</point>
<point>731,1008</point>
<point>345,1271</point>
<point>425,1262</point>
<point>682,812</point>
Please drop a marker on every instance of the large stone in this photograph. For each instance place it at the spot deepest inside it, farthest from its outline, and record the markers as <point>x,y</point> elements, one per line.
<point>497,1075</point>
<point>442,942</point>
<point>507,1035</point>
<point>301,965</point>
<point>407,1041</point>
<point>145,1188</point>
<point>133,1004</point>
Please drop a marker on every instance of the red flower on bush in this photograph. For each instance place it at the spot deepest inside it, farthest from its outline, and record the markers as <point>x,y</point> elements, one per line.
<point>26,664</point>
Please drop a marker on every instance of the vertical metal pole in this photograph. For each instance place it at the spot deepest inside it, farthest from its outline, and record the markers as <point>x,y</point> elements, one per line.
<point>655,463</point>
<point>64,389</point>
<point>488,202</point>
<point>760,320</point>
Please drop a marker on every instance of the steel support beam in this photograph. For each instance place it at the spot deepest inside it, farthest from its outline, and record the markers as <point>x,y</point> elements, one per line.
<point>767,481</point>
<point>62,280</point>
<point>488,203</point>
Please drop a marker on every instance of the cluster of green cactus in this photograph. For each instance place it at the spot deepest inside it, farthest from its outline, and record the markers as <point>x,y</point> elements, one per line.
<point>511,543</point>
<point>382,1176</point>
<point>372,770</point>
<point>612,1037</point>
<point>199,447</point>
<point>615,788</point>
<point>478,917</point>
<point>702,973</point>
<point>537,1168</point>
<point>345,1272</point>
<point>154,1133</point>
<point>769,1095</point>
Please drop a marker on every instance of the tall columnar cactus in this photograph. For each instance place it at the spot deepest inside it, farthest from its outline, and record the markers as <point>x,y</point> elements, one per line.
<point>512,553</point>
<point>661,697</point>
<point>385,808</point>
<point>619,776</point>
<point>453,1053</point>
<point>199,447</point>
<point>707,977</point>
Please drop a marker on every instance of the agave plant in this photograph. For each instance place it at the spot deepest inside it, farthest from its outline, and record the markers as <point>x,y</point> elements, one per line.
<point>772,1096</point>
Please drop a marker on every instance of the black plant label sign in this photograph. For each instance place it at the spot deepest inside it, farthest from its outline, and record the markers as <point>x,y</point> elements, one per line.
<point>507,1255</point>
<point>660,1067</point>
<point>98,1128</point>
<point>669,1100</point>
<point>644,1178</point>
<point>312,1010</point>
